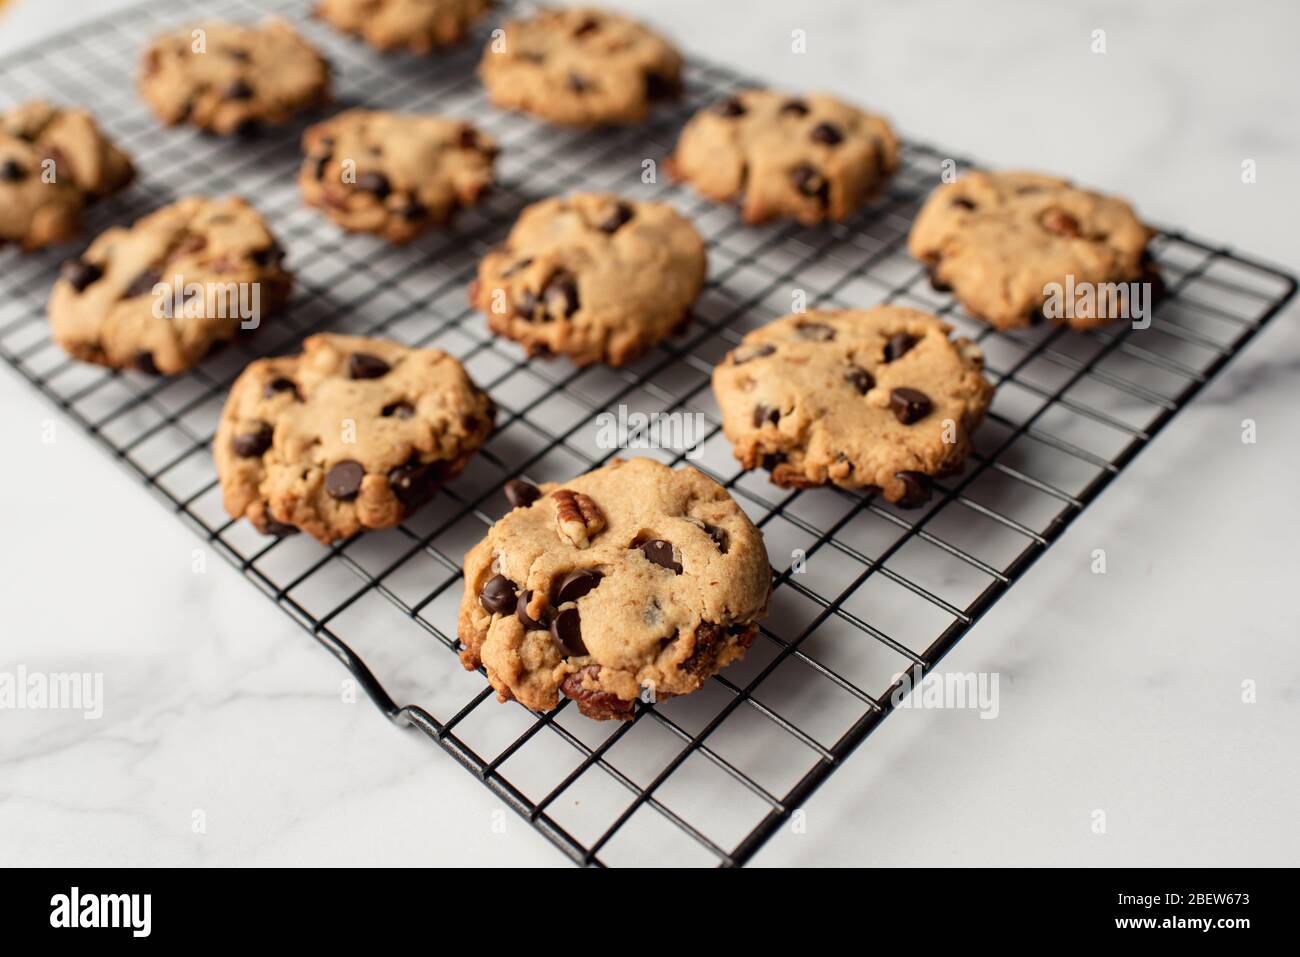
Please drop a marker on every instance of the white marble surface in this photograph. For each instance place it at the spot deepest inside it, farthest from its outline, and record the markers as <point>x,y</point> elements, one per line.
<point>1119,692</point>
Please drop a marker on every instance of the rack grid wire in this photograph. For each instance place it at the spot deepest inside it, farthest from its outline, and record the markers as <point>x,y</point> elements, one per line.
<point>862,593</point>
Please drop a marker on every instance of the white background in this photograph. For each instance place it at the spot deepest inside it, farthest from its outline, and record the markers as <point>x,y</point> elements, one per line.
<point>1119,692</point>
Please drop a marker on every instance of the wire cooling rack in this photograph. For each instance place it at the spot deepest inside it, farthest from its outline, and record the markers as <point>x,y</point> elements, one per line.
<point>863,591</point>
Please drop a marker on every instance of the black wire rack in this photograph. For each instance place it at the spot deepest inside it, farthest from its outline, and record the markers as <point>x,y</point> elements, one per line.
<point>863,592</point>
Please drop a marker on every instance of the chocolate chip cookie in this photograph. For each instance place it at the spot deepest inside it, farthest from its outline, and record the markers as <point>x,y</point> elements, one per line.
<point>580,67</point>
<point>160,295</point>
<point>394,174</point>
<point>631,578</point>
<point>997,240</point>
<point>352,434</point>
<point>878,399</point>
<point>53,163</point>
<point>593,277</point>
<point>418,26</point>
<point>230,78</point>
<point>809,157</point>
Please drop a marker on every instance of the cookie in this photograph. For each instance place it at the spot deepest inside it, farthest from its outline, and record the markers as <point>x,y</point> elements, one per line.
<point>394,174</point>
<point>417,26</point>
<point>592,277</point>
<point>631,577</point>
<point>808,158</point>
<point>352,434</point>
<point>997,240</point>
<point>877,399</point>
<point>160,295</point>
<point>53,163</point>
<point>230,78</point>
<point>580,67</point>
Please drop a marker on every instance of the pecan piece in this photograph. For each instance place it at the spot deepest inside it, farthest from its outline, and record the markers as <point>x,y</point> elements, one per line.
<point>577,518</point>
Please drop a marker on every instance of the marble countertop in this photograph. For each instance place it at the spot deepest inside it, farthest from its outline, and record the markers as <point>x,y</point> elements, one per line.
<point>1119,692</point>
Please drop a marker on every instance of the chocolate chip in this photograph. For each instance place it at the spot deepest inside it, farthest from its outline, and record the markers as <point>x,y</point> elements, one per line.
<point>764,414</point>
<point>661,553</point>
<point>279,529</point>
<point>1058,221</point>
<point>252,444</point>
<point>961,202</point>
<point>79,274</point>
<point>238,90</point>
<point>916,489</point>
<point>661,87</point>
<point>402,410</point>
<point>718,535</point>
<point>363,365</point>
<point>815,332</point>
<point>144,363</point>
<point>621,214</point>
<point>860,379</point>
<point>413,483</point>
<point>827,133</point>
<point>272,255</point>
<point>561,294</point>
<point>809,182</point>
<point>468,138</point>
<point>521,612</point>
<point>143,284</point>
<point>743,355</point>
<point>343,480</point>
<point>413,210</point>
<point>772,460</point>
<point>374,182</point>
<point>521,494</point>
<point>731,106</point>
<point>589,25</point>
<point>577,84</point>
<point>898,345</point>
<point>566,632</point>
<point>909,405</point>
<point>11,172</point>
<point>280,384</point>
<point>248,128</point>
<point>795,107</point>
<point>498,595</point>
<point>576,584</point>
<point>937,284</point>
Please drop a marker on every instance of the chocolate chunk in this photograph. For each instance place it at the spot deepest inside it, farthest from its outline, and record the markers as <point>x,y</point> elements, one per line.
<point>772,460</point>
<point>402,410</point>
<point>252,444</point>
<point>413,483</point>
<point>343,480</point>
<point>961,202</point>
<point>763,413</point>
<point>1058,221</point>
<point>809,182</point>
<point>718,535</point>
<point>898,345</point>
<point>662,87</point>
<point>80,274</point>
<point>909,405</point>
<point>731,106</point>
<point>374,182</point>
<point>588,25</point>
<point>576,584</point>
<point>143,284</point>
<point>11,172</point>
<point>621,214</point>
<point>498,595</point>
<point>468,139</point>
<point>661,553</point>
<point>795,107</point>
<point>363,365</point>
<point>280,384</point>
<point>597,705</point>
<point>815,332</point>
<point>521,494</point>
<point>826,133</point>
<point>279,529</point>
<point>916,489</point>
<point>743,355</point>
<point>860,379</point>
<point>561,294</point>
<point>521,612</point>
<point>566,632</point>
<point>144,362</point>
<point>238,90</point>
